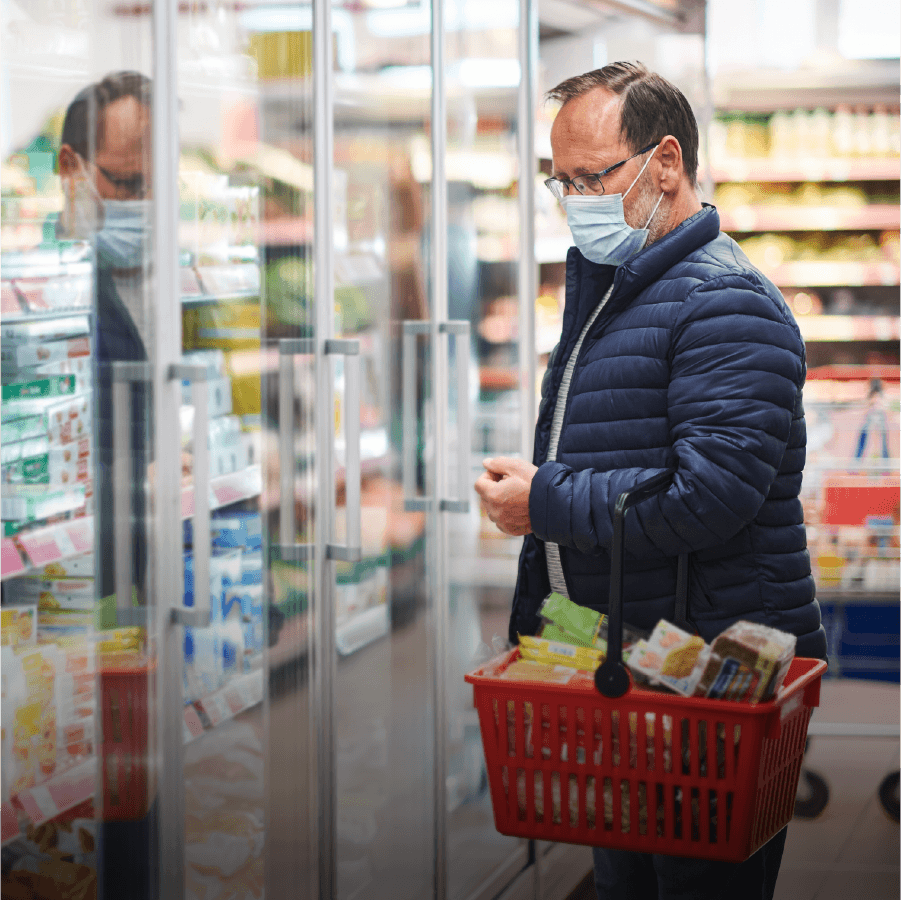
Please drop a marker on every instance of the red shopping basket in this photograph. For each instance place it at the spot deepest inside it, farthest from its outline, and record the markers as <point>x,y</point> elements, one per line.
<point>127,783</point>
<point>638,769</point>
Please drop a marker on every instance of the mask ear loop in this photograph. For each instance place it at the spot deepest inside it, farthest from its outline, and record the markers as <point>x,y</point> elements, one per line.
<point>654,211</point>
<point>640,174</point>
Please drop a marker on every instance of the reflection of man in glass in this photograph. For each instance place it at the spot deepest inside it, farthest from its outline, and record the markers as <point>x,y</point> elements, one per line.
<point>105,167</point>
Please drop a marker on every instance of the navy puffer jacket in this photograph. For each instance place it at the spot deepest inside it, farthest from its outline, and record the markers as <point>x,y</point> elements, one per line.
<point>694,362</point>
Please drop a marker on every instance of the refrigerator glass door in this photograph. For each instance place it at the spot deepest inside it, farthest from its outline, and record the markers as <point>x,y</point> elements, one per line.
<point>380,393</point>
<point>484,69</point>
<point>80,370</point>
<point>245,192</point>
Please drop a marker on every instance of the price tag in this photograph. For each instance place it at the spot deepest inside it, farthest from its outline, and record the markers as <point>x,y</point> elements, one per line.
<point>10,561</point>
<point>192,725</point>
<point>234,700</point>
<point>42,801</point>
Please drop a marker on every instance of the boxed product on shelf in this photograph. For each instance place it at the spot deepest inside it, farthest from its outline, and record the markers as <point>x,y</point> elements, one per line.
<point>36,502</point>
<point>19,624</point>
<point>65,464</point>
<point>18,356</point>
<point>61,594</point>
<point>61,418</point>
<point>81,566</point>
<point>59,293</point>
<point>203,662</point>
<point>64,625</point>
<point>29,717</point>
<point>237,528</point>
<point>214,588</point>
<point>42,330</point>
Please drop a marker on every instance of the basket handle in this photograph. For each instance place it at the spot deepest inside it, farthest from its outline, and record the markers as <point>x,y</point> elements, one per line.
<point>611,677</point>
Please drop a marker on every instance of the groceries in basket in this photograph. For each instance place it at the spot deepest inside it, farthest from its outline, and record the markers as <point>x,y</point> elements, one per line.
<point>746,662</point>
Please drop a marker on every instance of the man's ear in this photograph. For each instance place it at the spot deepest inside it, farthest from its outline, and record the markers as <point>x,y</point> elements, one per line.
<point>669,155</point>
<point>68,161</point>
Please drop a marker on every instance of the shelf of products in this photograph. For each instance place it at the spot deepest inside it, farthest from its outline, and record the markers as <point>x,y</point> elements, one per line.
<point>30,552</point>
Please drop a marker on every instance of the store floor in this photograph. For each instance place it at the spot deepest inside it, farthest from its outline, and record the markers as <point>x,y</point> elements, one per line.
<point>852,848</point>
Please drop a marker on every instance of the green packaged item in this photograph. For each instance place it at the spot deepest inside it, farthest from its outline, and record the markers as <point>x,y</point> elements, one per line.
<point>54,386</point>
<point>553,632</point>
<point>579,621</point>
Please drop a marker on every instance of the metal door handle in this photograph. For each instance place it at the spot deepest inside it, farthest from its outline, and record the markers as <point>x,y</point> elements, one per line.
<point>200,615</point>
<point>353,549</point>
<point>460,332</point>
<point>288,549</point>
<point>412,503</point>
<point>124,374</point>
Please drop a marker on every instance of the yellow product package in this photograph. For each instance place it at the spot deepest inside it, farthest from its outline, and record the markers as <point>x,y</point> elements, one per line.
<point>544,651</point>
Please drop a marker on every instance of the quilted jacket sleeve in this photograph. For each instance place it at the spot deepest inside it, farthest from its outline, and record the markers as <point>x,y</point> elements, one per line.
<point>737,366</point>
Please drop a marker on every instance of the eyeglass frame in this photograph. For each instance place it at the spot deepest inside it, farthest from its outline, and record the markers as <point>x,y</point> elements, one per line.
<point>122,184</point>
<point>552,182</point>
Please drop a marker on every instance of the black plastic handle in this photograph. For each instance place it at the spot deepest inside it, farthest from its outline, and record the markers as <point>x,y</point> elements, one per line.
<point>612,677</point>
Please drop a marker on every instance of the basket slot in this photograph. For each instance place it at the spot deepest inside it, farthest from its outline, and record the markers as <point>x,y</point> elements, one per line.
<point>694,807</point>
<point>701,748</point>
<point>591,802</point>
<point>576,801</point>
<point>554,742</point>
<point>659,810</point>
<point>538,787</point>
<point>636,738</point>
<point>556,800</point>
<point>519,731</point>
<point>642,813</point>
<point>607,802</point>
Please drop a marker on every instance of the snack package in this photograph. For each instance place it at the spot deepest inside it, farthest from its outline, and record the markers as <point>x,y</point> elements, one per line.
<point>582,623</point>
<point>766,652</point>
<point>670,658</point>
<point>558,653</point>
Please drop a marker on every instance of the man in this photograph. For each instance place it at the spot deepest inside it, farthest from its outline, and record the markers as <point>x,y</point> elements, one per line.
<point>105,169</point>
<point>674,352</point>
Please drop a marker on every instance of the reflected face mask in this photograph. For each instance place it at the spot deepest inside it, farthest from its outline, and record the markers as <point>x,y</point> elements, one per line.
<point>120,228</point>
<point>123,241</point>
<point>599,226</point>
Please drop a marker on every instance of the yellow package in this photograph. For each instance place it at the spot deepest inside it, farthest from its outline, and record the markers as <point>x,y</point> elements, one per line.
<point>528,670</point>
<point>559,654</point>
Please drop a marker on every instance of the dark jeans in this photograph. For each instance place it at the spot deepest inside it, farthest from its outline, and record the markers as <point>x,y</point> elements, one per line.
<point>623,875</point>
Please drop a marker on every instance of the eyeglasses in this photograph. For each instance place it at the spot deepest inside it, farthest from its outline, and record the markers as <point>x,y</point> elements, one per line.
<point>588,184</point>
<point>131,186</point>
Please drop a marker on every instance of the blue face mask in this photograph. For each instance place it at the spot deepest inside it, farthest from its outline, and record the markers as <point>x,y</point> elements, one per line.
<point>122,241</point>
<point>599,227</point>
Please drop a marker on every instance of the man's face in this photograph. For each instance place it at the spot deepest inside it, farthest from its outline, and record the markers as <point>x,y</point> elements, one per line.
<point>585,138</point>
<point>122,167</point>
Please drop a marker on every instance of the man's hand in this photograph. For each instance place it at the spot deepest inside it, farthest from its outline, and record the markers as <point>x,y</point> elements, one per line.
<point>504,489</point>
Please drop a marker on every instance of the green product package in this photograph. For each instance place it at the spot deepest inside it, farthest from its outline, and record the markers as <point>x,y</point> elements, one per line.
<point>579,621</point>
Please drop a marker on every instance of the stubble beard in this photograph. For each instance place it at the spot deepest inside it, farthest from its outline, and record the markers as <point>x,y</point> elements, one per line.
<point>643,209</point>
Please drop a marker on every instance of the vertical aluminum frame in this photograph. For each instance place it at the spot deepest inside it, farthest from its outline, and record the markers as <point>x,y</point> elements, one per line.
<point>439,613</point>
<point>527,275</point>
<point>324,826</point>
<point>166,571</point>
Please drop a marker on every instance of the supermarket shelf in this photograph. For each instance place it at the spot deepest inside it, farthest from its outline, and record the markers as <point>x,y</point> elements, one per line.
<point>192,300</point>
<point>876,216</point>
<point>62,540</point>
<point>849,328</point>
<point>45,315</point>
<point>817,273</point>
<point>53,797</point>
<point>76,784</point>
<point>813,169</point>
